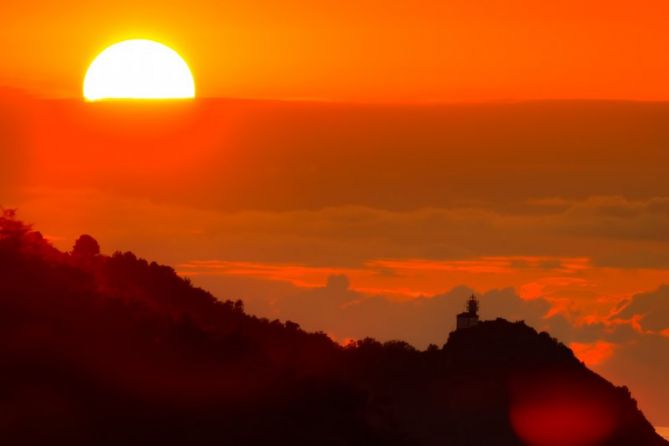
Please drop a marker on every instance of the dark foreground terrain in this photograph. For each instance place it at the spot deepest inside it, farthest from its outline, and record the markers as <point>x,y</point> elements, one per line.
<point>114,350</point>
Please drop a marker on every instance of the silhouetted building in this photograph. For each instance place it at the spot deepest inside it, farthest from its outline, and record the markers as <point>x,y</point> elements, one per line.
<point>469,318</point>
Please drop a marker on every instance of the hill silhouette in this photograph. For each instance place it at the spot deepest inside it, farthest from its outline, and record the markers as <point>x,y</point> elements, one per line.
<point>115,350</point>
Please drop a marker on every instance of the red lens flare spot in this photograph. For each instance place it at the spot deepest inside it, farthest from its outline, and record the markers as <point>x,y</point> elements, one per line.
<point>560,413</point>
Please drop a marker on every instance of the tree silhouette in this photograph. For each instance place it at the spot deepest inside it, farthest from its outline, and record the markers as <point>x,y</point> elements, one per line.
<point>10,226</point>
<point>86,246</point>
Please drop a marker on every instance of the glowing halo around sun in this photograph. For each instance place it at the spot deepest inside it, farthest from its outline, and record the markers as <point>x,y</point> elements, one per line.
<point>138,69</point>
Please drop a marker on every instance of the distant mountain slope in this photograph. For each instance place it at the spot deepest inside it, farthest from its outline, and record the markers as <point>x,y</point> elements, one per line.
<point>114,350</point>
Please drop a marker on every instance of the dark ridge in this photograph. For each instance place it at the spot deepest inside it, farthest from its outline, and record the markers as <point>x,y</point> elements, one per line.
<point>114,350</point>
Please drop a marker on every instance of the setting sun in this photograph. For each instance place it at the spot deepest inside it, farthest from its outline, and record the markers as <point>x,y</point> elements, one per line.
<point>138,69</point>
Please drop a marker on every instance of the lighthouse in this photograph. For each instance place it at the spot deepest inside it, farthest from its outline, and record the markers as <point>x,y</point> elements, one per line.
<point>469,318</point>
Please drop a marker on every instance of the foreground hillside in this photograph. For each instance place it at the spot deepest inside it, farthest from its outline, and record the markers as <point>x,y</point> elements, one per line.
<point>114,350</point>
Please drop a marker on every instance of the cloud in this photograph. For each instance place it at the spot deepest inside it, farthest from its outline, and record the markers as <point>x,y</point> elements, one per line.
<point>650,310</point>
<point>594,353</point>
<point>573,286</point>
<point>609,231</point>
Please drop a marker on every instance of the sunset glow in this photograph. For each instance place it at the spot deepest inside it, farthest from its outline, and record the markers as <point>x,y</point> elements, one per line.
<point>225,202</point>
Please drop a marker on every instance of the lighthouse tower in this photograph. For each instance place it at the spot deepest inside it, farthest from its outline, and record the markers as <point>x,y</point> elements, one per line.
<point>469,318</point>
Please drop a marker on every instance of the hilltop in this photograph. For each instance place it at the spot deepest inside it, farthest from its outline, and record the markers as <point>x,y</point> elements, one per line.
<point>111,350</point>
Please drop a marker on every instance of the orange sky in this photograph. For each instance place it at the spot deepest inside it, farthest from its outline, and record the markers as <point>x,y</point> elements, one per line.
<point>358,50</point>
<point>359,218</point>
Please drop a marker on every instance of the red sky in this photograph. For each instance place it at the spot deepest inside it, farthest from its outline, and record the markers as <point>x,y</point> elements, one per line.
<point>377,210</point>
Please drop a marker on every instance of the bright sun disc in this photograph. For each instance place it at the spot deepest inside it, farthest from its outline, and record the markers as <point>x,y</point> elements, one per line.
<point>138,69</point>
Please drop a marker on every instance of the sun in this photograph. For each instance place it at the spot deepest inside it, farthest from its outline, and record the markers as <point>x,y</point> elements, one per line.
<point>138,69</point>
